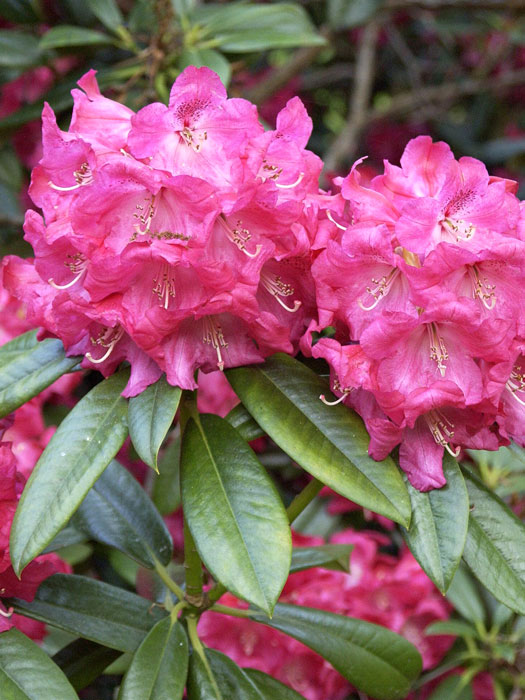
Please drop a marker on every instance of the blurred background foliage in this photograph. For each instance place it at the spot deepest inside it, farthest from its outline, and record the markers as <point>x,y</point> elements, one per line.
<point>373,74</point>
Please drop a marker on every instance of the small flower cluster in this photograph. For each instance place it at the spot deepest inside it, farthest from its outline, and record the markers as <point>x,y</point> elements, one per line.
<point>423,286</point>
<point>389,591</point>
<point>177,238</point>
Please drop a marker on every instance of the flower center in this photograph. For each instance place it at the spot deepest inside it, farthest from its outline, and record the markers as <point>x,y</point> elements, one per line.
<point>481,288</point>
<point>278,288</point>
<point>343,390</point>
<point>239,236</point>
<point>144,216</point>
<point>107,338</point>
<point>77,263</point>
<point>164,285</point>
<point>382,287</point>
<point>213,336</point>
<point>442,430</point>
<point>189,139</point>
<point>438,350</point>
<point>458,229</point>
<point>516,383</point>
<point>83,176</point>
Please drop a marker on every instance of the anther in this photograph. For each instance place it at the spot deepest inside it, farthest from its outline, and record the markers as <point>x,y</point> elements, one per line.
<point>239,236</point>
<point>213,336</point>
<point>107,339</point>
<point>278,288</point>
<point>383,286</point>
<point>83,176</point>
<point>77,263</point>
<point>438,350</point>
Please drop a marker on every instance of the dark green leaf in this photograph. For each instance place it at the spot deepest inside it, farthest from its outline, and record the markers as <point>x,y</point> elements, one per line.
<point>239,27</point>
<point>83,661</point>
<point>327,556</point>
<point>210,58</point>
<point>227,681</point>
<point>27,367</point>
<point>244,423</point>
<point>159,666</point>
<point>65,36</point>
<point>438,529</point>
<point>82,447</point>
<point>18,49</point>
<point>330,442</point>
<point>166,484</point>
<point>464,596</point>
<point>234,512</point>
<point>66,537</point>
<point>150,415</point>
<point>10,209</point>
<point>377,661</point>
<point>10,168</point>
<point>20,11</point>
<point>270,688</point>
<point>93,610</point>
<point>27,672</point>
<point>107,11</point>
<point>456,627</point>
<point>495,546</point>
<point>118,512</point>
<point>344,14</point>
<point>452,688</point>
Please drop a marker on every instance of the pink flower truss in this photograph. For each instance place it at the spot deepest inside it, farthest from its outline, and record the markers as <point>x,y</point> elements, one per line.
<point>177,238</point>
<point>389,591</point>
<point>423,283</point>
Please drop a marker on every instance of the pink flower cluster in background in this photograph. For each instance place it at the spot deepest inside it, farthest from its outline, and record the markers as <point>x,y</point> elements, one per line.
<point>380,588</point>
<point>423,286</point>
<point>176,238</point>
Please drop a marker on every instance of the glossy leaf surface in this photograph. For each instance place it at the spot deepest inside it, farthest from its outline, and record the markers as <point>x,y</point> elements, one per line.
<point>82,447</point>
<point>330,442</point>
<point>327,556</point>
<point>234,512</point>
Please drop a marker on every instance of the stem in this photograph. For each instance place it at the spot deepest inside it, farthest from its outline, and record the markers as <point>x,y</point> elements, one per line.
<point>175,612</point>
<point>303,499</point>
<point>216,592</point>
<point>168,581</point>
<point>234,612</point>
<point>191,623</point>
<point>193,566</point>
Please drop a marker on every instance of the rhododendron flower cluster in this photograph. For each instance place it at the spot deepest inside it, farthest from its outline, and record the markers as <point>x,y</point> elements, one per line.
<point>393,592</point>
<point>177,238</point>
<point>424,286</point>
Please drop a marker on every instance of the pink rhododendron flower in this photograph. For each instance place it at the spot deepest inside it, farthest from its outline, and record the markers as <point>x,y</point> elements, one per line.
<point>419,279</point>
<point>390,591</point>
<point>176,239</point>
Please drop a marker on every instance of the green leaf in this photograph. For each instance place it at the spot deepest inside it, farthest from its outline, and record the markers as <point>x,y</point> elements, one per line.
<point>452,688</point>
<point>166,484</point>
<point>375,660</point>
<point>159,666</point>
<point>66,537</point>
<point>10,209</point>
<point>270,688</point>
<point>66,35</point>
<point>227,680</point>
<point>20,11</point>
<point>18,49</point>
<point>327,556</point>
<point>150,415</point>
<point>456,627</point>
<point>27,672</point>
<point>344,14</point>
<point>495,546</point>
<point>118,512</point>
<point>244,423</point>
<point>207,57</point>
<point>438,529</point>
<point>10,168</point>
<point>82,447</point>
<point>107,11</point>
<point>329,442</point>
<point>93,610</point>
<point>27,367</point>
<point>83,661</point>
<point>464,596</point>
<point>239,27</point>
<point>234,512</point>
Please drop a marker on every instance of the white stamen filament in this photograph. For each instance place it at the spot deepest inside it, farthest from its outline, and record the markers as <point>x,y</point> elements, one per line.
<point>77,265</point>
<point>239,236</point>
<point>83,176</point>
<point>482,289</point>
<point>331,218</point>
<point>107,339</point>
<point>8,612</point>
<point>164,285</point>
<point>293,184</point>
<point>278,288</point>
<point>438,350</point>
<point>442,430</point>
<point>213,336</point>
<point>381,290</point>
<point>515,383</point>
<point>144,218</point>
<point>337,387</point>
<point>459,229</point>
